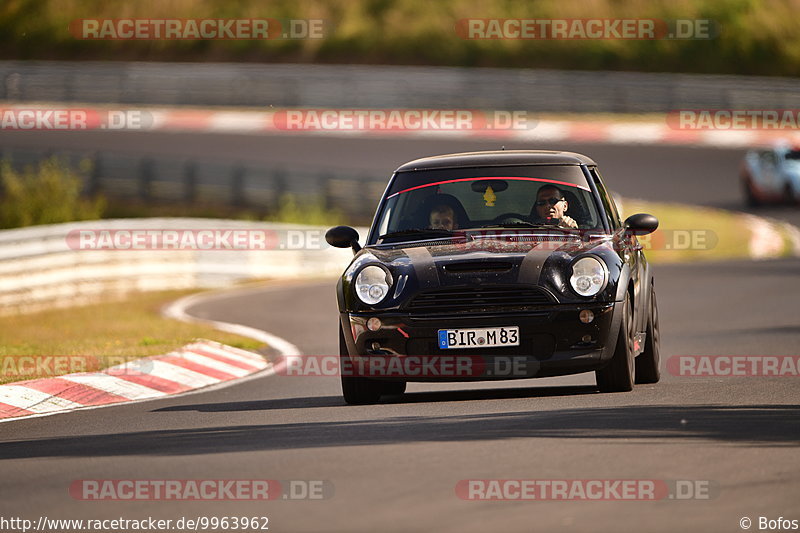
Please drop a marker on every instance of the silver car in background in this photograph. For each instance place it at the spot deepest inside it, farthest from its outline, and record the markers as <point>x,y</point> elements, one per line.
<point>772,175</point>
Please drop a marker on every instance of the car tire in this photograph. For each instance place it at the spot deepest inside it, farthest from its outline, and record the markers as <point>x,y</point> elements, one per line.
<point>393,388</point>
<point>648,364</point>
<point>749,192</point>
<point>355,389</point>
<point>619,374</point>
<point>789,197</point>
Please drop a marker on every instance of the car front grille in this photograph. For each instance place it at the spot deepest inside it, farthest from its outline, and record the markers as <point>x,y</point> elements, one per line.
<point>479,300</point>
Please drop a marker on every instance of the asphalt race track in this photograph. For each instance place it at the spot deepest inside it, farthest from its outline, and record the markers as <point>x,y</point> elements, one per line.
<point>395,466</point>
<point>683,174</point>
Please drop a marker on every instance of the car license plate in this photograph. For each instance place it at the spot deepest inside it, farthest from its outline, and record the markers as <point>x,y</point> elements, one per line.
<point>478,337</point>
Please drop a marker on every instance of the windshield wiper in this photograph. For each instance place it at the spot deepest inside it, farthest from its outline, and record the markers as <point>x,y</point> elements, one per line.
<point>422,232</point>
<point>523,224</point>
<point>519,224</point>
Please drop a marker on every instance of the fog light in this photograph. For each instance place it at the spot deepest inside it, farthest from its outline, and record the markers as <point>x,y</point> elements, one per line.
<point>586,338</point>
<point>586,316</point>
<point>374,324</point>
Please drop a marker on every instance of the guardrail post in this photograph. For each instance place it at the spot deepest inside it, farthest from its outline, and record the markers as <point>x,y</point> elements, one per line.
<point>145,178</point>
<point>95,184</point>
<point>237,186</point>
<point>324,182</point>
<point>279,184</point>
<point>3,160</point>
<point>190,181</point>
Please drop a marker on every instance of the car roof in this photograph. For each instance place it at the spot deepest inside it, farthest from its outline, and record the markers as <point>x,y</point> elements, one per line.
<point>497,158</point>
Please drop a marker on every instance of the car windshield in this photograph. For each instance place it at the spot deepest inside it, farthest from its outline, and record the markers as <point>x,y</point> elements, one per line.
<point>793,155</point>
<point>429,204</point>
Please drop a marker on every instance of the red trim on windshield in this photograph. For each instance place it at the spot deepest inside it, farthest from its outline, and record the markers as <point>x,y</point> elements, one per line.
<point>489,178</point>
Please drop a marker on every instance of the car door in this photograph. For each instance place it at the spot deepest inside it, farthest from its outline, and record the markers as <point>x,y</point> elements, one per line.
<point>770,173</point>
<point>630,249</point>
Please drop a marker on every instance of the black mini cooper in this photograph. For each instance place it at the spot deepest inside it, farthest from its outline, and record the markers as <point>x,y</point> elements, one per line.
<point>496,265</point>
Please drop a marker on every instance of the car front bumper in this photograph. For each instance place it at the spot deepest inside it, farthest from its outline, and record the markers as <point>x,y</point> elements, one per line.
<point>553,342</point>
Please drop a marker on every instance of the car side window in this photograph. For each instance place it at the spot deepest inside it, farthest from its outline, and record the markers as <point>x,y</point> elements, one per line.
<point>768,158</point>
<point>609,206</point>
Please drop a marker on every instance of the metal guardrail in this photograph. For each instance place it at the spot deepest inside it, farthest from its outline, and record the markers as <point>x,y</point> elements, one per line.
<point>198,181</point>
<point>40,270</point>
<point>352,86</point>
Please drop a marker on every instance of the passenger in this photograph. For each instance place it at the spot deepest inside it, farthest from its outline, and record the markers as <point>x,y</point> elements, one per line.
<point>551,207</point>
<point>443,217</point>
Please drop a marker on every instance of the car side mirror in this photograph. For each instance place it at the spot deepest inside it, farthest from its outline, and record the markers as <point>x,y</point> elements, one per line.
<point>343,237</point>
<point>641,224</point>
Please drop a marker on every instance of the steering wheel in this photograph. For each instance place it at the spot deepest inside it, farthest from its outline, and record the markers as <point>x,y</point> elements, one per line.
<point>509,217</point>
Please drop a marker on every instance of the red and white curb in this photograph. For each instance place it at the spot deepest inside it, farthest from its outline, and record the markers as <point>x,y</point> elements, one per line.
<point>768,237</point>
<point>599,131</point>
<point>197,365</point>
<point>614,131</point>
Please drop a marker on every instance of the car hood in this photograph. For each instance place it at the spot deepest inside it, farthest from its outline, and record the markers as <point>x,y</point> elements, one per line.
<point>539,260</point>
<point>792,169</point>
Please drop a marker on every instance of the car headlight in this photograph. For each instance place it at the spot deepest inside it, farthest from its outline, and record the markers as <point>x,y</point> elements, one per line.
<point>372,284</point>
<point>589,276</point>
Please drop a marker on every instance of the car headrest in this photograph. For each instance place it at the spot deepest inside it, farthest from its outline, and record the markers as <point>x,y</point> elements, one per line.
<point>424,211</point>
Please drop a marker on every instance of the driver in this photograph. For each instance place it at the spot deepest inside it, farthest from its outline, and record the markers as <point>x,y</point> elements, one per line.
<point>551,207</point>
<point>443,217</point>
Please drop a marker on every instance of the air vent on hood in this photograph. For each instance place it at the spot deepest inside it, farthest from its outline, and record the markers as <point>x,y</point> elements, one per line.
<point>466,267</point>
<point>422,244</point>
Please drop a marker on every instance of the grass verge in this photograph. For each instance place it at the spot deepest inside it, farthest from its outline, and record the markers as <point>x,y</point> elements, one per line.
<point>692,233</point>
<point>92,337</point>
<point>745,37</point>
